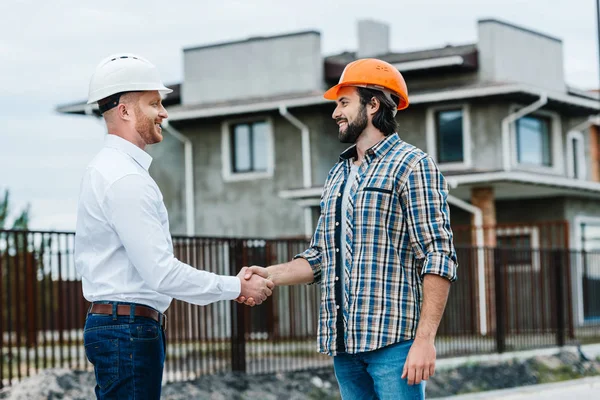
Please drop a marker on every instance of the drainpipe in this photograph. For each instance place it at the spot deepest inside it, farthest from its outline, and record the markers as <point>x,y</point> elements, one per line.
<point>189,176</point>
<point>479,242</point>
<point>306,163</point>
<point>508,120</point>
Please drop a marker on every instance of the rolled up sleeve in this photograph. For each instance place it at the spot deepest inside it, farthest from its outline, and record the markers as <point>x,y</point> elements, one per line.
<point>314,254</point>
<point>427,214</point>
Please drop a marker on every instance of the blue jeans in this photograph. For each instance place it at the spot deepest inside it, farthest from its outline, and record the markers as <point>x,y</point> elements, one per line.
<point>376,374</point>
<point>128,354</point>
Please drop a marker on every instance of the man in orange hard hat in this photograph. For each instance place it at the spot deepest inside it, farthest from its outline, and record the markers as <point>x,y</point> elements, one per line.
<point>382,250</point>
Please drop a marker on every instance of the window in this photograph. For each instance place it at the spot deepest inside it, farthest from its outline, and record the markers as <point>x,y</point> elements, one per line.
<point>576,164</point>
<point>534,141</point>
<point>449,135</point>
<point>247,149</point>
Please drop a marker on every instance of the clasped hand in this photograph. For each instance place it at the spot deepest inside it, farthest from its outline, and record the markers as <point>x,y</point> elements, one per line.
<point>258,276</point>
<point>256,285</point>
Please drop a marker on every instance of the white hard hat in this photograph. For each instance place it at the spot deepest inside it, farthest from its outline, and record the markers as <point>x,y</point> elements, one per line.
<point>124,73</point>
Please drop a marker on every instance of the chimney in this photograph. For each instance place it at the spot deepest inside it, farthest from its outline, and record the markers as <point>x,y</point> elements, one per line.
<point>373,38</point>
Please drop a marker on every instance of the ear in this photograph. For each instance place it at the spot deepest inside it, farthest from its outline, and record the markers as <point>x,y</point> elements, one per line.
<point>373,105</point>
<point>124,111</point>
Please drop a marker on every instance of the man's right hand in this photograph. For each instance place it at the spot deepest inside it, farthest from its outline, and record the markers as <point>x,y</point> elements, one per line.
<point>255,286</point>
<point>249,272</point>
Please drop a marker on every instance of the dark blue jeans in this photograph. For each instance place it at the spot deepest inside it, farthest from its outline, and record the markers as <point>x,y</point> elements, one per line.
<point>128,354</point>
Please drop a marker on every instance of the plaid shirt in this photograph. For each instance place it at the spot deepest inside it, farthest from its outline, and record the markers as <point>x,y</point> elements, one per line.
<point>398,230</point>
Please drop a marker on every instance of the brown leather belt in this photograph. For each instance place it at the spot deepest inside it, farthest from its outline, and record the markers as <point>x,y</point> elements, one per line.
<point>125,310</point>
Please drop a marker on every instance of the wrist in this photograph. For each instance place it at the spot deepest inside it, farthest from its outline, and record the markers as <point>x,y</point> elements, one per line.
<point>428,337</point>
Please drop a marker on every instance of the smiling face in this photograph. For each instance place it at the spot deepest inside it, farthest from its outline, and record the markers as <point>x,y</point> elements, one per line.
<point>350,115</point>
<point>149,114</point>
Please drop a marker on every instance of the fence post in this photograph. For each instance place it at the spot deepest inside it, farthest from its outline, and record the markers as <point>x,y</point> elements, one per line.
<point>560,298</point>
<point>500,302</point>
<point>238,321</point>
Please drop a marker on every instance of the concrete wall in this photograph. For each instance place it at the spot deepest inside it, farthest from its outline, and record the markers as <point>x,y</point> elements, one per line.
<point>509,53</point>
<point>243,208</point>
<point>262,67</point>
<point>486,134</point>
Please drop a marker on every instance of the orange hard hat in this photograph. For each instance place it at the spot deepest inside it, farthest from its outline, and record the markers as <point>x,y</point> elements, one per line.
<point>372,73</point>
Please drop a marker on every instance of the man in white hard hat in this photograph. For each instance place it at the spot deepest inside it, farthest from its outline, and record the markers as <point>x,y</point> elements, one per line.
<point>123,248</point>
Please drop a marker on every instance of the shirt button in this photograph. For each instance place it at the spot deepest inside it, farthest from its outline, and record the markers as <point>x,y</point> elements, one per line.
<point>337,224</point>
<point>340,194</point>
<point>337,278</point>
<point>337,250</point>
<point>338,307</point>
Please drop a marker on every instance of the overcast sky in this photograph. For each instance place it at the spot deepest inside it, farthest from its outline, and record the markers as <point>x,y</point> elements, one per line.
<point>49,49</point>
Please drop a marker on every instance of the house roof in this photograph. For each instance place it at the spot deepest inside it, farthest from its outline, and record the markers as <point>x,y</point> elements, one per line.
<point>585,104</point>
<point>480,90</point>
<point>448,57</point>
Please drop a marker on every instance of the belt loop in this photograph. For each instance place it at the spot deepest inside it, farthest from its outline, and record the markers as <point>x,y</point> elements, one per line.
<point>131,313</point>
<point>114,311</point>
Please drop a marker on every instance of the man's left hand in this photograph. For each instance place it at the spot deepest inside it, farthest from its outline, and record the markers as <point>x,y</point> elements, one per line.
<point>420,362</point>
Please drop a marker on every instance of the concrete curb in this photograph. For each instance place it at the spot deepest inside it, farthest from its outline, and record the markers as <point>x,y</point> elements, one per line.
<point>562,390</point>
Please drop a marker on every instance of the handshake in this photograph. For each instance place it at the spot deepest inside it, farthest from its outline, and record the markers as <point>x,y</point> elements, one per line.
<point>256,285</point>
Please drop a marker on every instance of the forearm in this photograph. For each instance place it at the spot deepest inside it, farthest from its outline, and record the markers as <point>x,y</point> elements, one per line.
<point>435,295</point>
<point>295,272</point>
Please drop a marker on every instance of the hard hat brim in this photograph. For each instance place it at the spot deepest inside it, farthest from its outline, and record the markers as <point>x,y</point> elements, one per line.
<point>95,97</point>
<point>332,93</point>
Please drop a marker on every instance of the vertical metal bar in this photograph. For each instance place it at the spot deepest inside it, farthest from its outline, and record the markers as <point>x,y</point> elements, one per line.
<point>60,315</point>
<point>69,303</point>
<point>196,315</point>
<point>560,306</point>
<point>3,269</point>
<point>52,298</point>
<point>238,342</point>
<point>500,306</point>
<point>35,282</point>
<point>204,312</point>
<point>28,299</point>
<point>18,303</point>
<point>11,261</point>
<point>80,316</point>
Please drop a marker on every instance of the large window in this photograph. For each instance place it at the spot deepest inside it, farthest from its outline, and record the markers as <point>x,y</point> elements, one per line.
<point>534,141</point>
<point>249,147</point>
<point>449,135</point>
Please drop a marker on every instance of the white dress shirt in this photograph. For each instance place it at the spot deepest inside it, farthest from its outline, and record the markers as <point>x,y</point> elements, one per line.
<point>123,248</point>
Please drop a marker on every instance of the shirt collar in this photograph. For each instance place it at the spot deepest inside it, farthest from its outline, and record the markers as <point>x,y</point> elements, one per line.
<point>377,150</point>
<point>140,156</point>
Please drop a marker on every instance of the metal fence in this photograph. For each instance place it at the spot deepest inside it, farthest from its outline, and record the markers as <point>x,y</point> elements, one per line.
<point>505,299</point>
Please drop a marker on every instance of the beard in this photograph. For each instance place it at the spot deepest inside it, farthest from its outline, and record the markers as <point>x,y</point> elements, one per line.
<point>146,128</point>
<point>354,129</point>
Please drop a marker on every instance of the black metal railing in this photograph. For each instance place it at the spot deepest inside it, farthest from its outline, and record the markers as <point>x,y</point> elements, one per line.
<point>506,299</point>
